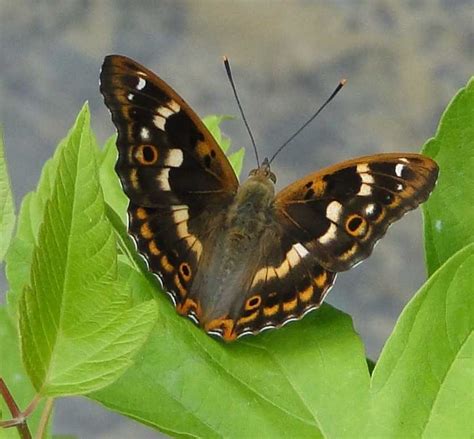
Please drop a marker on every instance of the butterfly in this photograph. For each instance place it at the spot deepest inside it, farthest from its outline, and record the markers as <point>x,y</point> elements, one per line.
<point>240,259</point>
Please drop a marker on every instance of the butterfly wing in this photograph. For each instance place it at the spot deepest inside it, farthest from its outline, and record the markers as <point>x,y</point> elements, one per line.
<point>339,213</point>
<point>288,283</point>
<point>326,223</point>
<point>171,168</point>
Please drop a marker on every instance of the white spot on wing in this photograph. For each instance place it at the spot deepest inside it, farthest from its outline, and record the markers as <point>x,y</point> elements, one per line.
<point>163,179</point>
<point>404,160</point>
<point>174,106</point>
<point>164,111</point>
<point>364,190</point>
<point>174,158</point>
<point>362,168</point>
<point>333,211</point>
<point>159,122</point>
<point>145,133</point>
<point>367,178</point>
<point>301,249</point>
<point>284,268</point>
<point>329,235</point>
<point>293,257</point>
<point>370,209</point>
<point>399,169</point>
<point>130,96</point>
<point>180,215</point>
<point>182,230</point>
<point>141,84</point>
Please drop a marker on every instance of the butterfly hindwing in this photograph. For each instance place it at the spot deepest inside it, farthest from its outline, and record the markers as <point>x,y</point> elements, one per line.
<point>339,213</point>
<point>292,284</point>
<point>285,284</point>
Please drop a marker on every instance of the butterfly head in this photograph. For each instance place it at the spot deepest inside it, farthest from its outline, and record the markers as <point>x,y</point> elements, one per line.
<point>263,172</point>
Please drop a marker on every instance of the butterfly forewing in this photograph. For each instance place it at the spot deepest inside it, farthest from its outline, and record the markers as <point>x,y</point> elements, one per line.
<point>339,213</point>
<point>166,154</point>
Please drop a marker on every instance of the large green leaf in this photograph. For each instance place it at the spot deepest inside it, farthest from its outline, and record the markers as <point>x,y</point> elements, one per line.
<point>422,385</point>
<point>7,209</point>
<point>449,213</point>
<point>113,193</point>
<point>13,372</point>
<point>30,217</point>
<point>78,330</point>
<point>308,379</point>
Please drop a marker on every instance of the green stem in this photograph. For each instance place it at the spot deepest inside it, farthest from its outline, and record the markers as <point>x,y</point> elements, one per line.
<point>48,408</point>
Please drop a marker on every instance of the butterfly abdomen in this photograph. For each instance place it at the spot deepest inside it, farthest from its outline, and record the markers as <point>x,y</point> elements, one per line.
<point>236,251</point>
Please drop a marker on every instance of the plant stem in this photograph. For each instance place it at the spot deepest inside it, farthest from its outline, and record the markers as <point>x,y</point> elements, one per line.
<point>8,397</point>
<point>41,432</point>
<point>19,418</point>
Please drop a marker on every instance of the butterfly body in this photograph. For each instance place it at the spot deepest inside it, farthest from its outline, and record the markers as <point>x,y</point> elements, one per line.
<point>245,226</point>
<point>239,259</point>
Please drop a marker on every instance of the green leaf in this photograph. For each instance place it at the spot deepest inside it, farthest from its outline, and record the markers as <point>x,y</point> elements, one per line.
<point>422,384</point>
<point>30,217</point>
<point>113,193</point>
<point>308,379</point>
<point>18,258</point>
<point>213,125</point>
<point>126,246</point>
<point>7,209</point>
<point>13,372</point>
<point>237,160</point>
<point>78,330</point>
<point>449,213</point>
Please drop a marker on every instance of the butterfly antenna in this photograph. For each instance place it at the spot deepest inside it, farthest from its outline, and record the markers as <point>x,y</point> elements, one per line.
<point>329,99</point>
<point>231,80</point>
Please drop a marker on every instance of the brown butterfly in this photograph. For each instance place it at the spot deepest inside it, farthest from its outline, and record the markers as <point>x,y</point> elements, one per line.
<point>238,259</point>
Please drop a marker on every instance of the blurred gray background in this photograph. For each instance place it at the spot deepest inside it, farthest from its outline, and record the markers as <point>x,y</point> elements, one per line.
<point>404,60</point>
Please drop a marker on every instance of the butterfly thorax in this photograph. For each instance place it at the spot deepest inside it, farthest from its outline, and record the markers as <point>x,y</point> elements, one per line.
<point>236,250</point>
<point>252,202</point>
